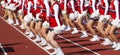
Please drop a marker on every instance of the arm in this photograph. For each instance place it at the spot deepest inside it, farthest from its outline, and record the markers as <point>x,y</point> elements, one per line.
<point>23,4</point>
<point>47,7</point>
<point>35,4</point>
<point>56,10</point>
<point>72,3</point>
<point>65,4</point>
<point>81,5</point>
<point>116,4</point>
<point>29,7</point>
<point>93,5</point>
<point>107,7</point>
<point>19,3</point>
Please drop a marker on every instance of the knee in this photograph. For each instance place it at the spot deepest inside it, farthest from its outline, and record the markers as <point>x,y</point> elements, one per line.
<point>110,33</point>
<point>98,29</point>
<point>89,26</point>
<point>47,39</point>
<point>36,29</point>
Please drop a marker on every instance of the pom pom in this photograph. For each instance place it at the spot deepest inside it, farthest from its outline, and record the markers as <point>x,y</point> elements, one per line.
<point>107,17</point>
<point>46,24</point>
<point>80,16</point>
<point>12,7</point>
<point>116,23</point>
<point>72,16</point>
<point>59,29</point>
<point>95,15</point>
<point>20,11</point>
<point>84,13</point>
<point>28,18</point>
<point>2,2</point>
<point>64,12</point>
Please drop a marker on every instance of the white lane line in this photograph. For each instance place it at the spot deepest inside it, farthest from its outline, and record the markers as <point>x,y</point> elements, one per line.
<point>79,45</point>
<point>26,36</point>
<point>5,53</point>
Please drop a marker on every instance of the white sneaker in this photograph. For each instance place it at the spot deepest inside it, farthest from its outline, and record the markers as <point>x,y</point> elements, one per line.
<point>74,31</point>
<point>95,38</point>
<point>114,45</point>
<point>54,53</point>
<point>83,36</point>
<point>22,26</point>
<point>31,35</point>
<point>103,43</point>
<point>43,42</point>
<point>67,28</point>
<point>10,21</point>
<point>26,32</point>
<point>107,42</point>
<point>17,23</point>
<point>48,47</point>
<point>37,38</point>
<point>117,47</point>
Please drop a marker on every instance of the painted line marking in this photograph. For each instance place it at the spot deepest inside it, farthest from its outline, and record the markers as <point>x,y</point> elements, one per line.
<point>26,36</point>
<point>5,53</point>
<point>78,45</point>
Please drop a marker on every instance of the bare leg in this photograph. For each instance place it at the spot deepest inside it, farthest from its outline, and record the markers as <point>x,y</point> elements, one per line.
<point>89,26</point>
<point>112,34</point>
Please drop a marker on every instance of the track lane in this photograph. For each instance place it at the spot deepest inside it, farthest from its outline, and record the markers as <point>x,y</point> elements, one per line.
<point>15,43</point>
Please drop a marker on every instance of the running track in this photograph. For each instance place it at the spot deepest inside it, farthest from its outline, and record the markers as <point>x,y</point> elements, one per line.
<point>15,42</point>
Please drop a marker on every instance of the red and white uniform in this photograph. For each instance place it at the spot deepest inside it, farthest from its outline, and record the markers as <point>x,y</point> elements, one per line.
<point>70,6</point>
<point>112,11</point>
<point>63,4</point>
<point>42,7</point>
<point>6,1</point>
<point>80,6</point>
<point>43,10</point>
<point>37,8</point>
<point>9,1</point>
<point>103,7</point>
<point>29,8</point>
<point>92,6</point>
<point>55,16</point>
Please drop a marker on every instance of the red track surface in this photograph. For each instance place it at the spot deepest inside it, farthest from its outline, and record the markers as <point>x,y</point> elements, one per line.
<point>16,43</point>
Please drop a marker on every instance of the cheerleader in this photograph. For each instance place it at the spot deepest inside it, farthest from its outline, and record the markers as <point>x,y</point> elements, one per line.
<point>63,6</point>
<point>35,21</point>
<point>43,31</point>
<point>103,20</point>
<point>21,13</point>
<point>94,15</point>
<point>28,17</point>
<point>55,27</point>
<point>114,24</point>
<point>72,15</point>
<point>81,16</point>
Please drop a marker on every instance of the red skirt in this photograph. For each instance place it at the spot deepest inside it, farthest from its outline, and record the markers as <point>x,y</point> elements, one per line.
<point>101,10</point>
<point>90,10</point>
<point>53,22</point>
<point>113,14</point>
<point>43,16</point>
